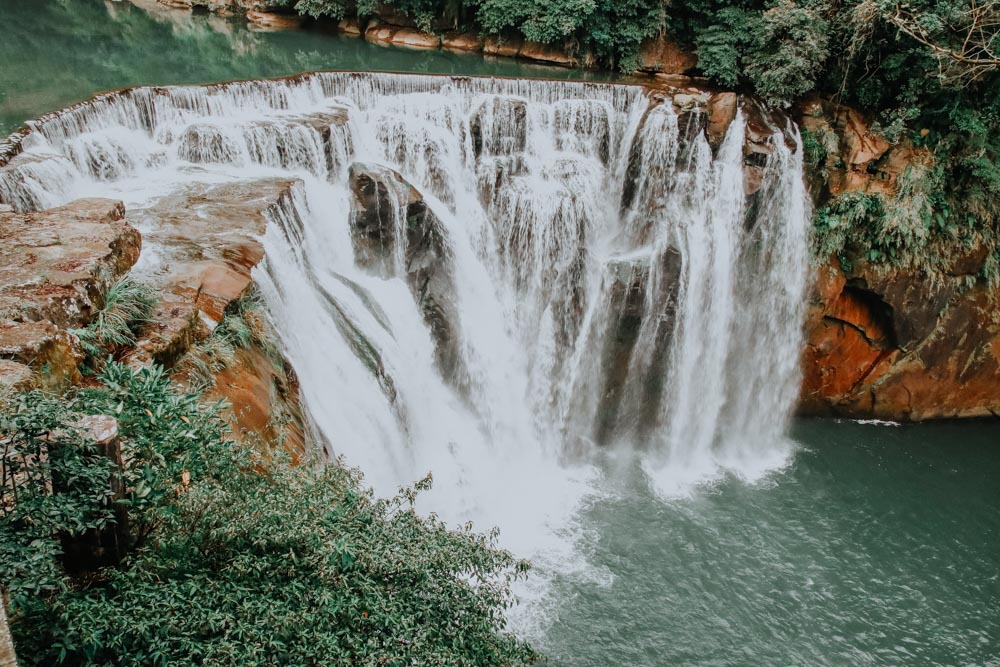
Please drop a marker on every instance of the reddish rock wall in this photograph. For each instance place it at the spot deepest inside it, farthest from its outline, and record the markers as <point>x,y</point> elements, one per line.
<point>893,343</point>
<point>901,346</point>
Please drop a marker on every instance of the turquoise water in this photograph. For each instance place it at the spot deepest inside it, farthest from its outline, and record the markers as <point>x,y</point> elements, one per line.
<point>56,52</point>
<point>877,545</point>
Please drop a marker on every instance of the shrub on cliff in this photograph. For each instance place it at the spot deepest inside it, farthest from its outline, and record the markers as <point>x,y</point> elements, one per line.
<point>127,305</point>
<point>240,558</point>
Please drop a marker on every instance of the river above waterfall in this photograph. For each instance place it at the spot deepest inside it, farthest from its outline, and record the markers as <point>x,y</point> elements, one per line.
<point>57,53</point>
<point>860,544</point>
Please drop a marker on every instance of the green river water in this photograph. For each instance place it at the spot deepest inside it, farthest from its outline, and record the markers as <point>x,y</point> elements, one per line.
<point>877,545</point>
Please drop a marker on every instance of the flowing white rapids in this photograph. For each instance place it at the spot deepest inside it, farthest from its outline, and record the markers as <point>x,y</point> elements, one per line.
<point>601,279</point>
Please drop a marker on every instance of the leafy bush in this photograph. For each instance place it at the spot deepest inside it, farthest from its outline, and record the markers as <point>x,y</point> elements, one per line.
<point>788,47</point>
<point>239,558</point>
<point>41,451</point>
<point>851,220</point>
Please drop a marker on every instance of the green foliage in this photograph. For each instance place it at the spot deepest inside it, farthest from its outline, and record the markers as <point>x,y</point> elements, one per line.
<point>614,30</point>
<point>42,450</point>
<point>916,228</point>
<point>537,20</point>
<point>239,559</point>
<point>720,45</point>
<point>787,50</point>
<point>63,482</point>
<point>127,305</point>
<point>853,219</point>
<point>854,53</point>
<point>335,9</point>
<point>814,150</point>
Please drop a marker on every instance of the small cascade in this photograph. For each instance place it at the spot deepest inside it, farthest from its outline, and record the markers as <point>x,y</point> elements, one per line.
<point>489,279</point>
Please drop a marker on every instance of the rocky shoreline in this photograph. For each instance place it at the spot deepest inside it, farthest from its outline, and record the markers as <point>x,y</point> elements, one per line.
<point>389,27</point>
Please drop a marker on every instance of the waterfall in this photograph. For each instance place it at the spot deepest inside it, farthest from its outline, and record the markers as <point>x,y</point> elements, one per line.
<point>490,280</point>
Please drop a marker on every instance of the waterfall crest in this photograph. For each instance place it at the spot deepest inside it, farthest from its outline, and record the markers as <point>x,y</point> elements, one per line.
<point>490,279</point>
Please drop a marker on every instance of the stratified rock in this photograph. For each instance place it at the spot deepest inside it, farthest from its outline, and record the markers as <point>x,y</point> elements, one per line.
<point>858,159</point>
<point>415,39</point>
<point>262,400</point>
<point>861,144</point>
<point>507,47</point>
<point>546,53</point>
<point>349,27</point>
<point>14,377</point>
<point>462,41</point>
<point>203,245</point>
<point>53,263</point>
<point>379,32</point>
<point>53,353</point>
<point>657,55</point>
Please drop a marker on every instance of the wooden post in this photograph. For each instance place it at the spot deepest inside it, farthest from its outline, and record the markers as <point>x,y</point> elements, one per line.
<point>100,548</point>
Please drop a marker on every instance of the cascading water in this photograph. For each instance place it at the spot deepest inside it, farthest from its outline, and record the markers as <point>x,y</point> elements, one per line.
<point>490,280</point>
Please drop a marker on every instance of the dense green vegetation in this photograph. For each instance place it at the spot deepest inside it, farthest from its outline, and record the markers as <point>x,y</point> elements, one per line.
<point>926,70</point>
<point>231,556</point>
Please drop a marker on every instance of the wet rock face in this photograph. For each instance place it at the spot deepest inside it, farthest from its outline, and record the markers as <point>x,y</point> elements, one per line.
<point>206,244</point>
<point>899,346</point>
<point>628,403</point>
<point>53,265</point>
<point>389,213</point>
<point>722,109</point>
<point>508,122</point>
<point>702,114</point>
<point>303,141</point>
<point>21,171</point>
